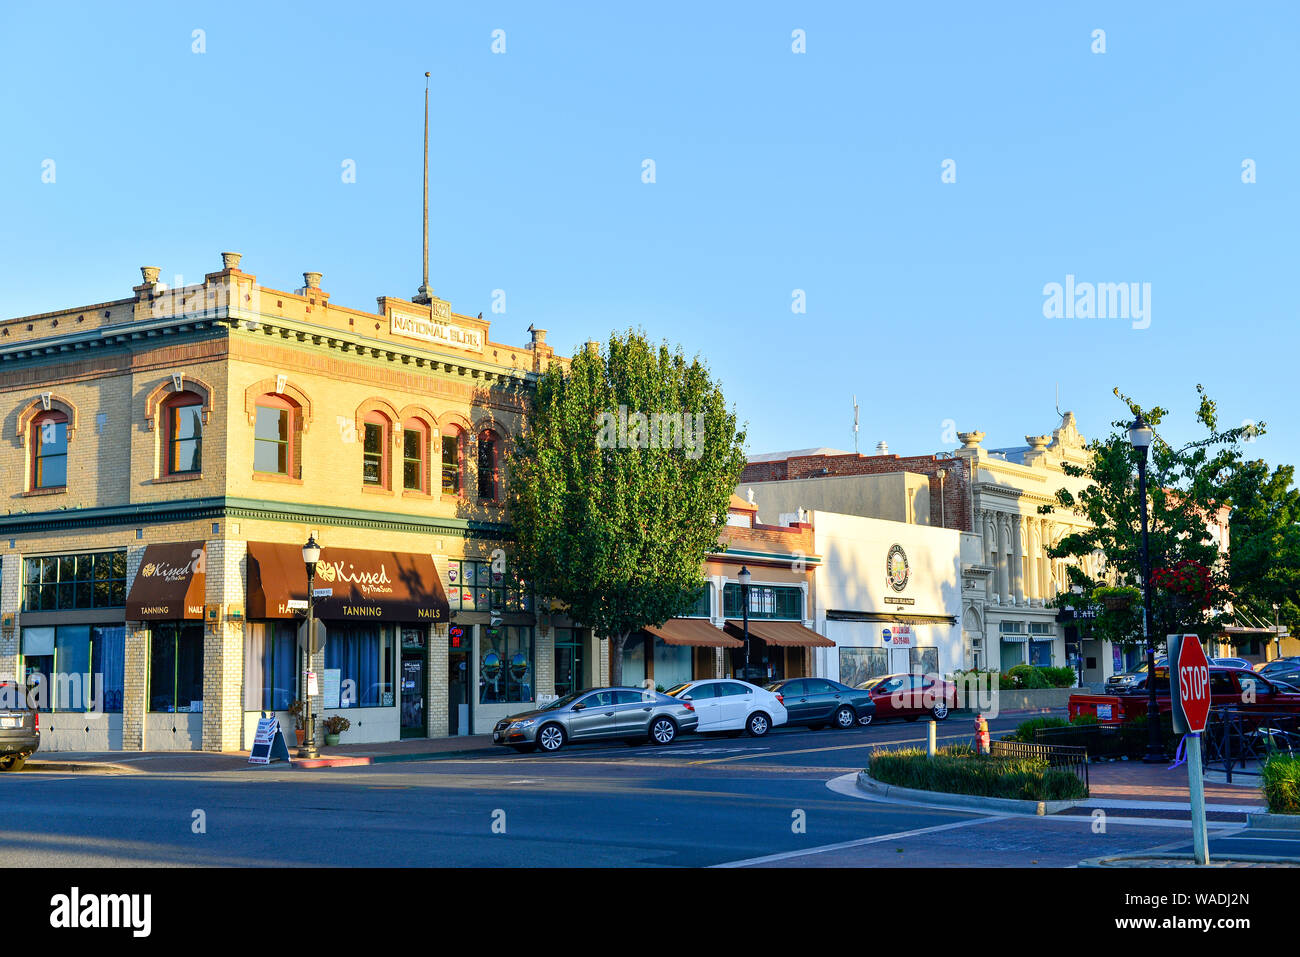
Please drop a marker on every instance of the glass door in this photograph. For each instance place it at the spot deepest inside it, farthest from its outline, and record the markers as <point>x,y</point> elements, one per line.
<point>413,683</point>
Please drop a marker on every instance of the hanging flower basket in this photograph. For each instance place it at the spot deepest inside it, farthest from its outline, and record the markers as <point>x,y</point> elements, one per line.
<point>1117,598</point>
<point>1187,581</point>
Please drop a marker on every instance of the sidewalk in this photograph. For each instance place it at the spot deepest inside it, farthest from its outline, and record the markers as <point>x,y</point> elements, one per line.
<point>1135,781</point>
<point>189,762</point>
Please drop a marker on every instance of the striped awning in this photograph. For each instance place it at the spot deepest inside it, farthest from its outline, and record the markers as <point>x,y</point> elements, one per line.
<point>789,634</point>
<point>1012,636</point>
<point>695,632</point>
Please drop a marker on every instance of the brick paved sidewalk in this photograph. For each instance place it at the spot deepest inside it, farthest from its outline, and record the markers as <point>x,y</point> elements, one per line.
<point>1133,780</point>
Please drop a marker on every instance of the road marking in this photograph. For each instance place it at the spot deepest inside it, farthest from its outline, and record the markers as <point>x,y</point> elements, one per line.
<point>750,757</point>
<point>862,842</point>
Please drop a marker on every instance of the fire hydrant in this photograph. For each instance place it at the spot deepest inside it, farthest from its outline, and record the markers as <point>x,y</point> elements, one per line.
<point>981,734</point>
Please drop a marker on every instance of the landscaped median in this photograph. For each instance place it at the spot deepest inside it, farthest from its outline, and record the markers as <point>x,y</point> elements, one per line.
<point>959,777</point>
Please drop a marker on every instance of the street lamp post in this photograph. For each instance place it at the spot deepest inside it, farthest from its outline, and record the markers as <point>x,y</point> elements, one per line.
<point>1140,436</point>
<point>743,578</point>
<point>310,556</point>
<point>1277,633</point>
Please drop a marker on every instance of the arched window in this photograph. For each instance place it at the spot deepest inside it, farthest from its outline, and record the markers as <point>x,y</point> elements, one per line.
<point>276,436</point>
<point>182,417</point>
<point>415,448</point>
<point>49,441</point>
<point>451,470</point>
<point>374,450</point>
<point>487,466</point>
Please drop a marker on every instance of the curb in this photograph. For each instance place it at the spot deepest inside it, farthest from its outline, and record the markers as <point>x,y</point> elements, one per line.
<point>1178,859</point>
<point>964,801</point>
<point>354,762</point>
<point>66,767</point>
<point>1275,822</point>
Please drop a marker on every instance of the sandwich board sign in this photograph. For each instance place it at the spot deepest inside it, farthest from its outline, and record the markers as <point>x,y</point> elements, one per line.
<point>268,743</point>
<point>1190,700</point>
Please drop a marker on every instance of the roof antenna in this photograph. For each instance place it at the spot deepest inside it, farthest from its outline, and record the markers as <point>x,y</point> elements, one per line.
<point>423,296</point>
<point>1059,413</point>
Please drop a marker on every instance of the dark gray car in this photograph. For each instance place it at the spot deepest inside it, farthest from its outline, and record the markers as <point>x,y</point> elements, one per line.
<point>20,728</point>
<point>630,714</point>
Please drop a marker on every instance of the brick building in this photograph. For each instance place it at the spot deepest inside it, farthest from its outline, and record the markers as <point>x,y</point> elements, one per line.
<point>167,454</point>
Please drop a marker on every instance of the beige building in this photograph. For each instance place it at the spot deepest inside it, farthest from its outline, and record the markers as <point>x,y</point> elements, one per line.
<point>167,454</point>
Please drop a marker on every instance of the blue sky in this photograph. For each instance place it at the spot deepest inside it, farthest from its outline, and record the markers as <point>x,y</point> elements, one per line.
<point>775,171</point>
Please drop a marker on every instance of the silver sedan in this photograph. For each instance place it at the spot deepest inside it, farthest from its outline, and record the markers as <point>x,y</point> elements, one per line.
<point>634,715</point>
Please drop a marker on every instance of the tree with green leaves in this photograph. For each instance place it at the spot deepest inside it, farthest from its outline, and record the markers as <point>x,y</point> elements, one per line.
<point>619,485</point>
<point>1187,488</point>
<point>1265,544</point>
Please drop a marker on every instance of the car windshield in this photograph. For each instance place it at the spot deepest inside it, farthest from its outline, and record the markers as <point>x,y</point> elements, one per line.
<point>561,702</point>
<point>676,692</point>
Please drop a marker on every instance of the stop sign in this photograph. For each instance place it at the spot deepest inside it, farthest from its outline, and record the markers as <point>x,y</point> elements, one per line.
<point>1193,689</point>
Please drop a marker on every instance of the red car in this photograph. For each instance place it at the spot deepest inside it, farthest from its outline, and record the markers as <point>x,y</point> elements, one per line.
<point>1239,687</point>
<point>911,695</point>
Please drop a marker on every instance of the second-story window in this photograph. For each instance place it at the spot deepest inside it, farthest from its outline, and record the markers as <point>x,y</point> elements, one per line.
<point>414,442</point>
<point>451,461</point>
<point>50,450</point>
<point>487,466</point>
<point>273,434</point>
<point>374,452</point>
<point>183,415</point>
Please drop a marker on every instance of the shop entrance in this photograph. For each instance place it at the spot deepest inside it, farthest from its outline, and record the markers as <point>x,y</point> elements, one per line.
<point>458,706</point>
<point>413,683</point>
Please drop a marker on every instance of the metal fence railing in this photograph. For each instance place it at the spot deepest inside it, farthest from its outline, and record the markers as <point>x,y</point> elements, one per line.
<point>1066,757</point>
<point>1239,740</point>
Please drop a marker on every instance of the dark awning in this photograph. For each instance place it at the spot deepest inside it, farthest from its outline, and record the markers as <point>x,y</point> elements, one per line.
<point>170,583</point>
<point>903,617</point>
<point>364,585</point>
<point>696,632</point>
<point>788,634</point>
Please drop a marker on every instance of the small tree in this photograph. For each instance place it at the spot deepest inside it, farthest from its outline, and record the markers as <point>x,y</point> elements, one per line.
<point>619,484</point>
<point>1186,488</point>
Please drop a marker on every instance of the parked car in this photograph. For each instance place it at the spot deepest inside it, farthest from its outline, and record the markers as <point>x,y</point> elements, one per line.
<point>911,695</point>
<point>1237,687</point>
<point>732,705</point>
<point>600,714</point>
<point>1131,679</point>
<point>1289,663</point>
<point>20,727</point>
<point>817,702</point>
<point>1232,663</point>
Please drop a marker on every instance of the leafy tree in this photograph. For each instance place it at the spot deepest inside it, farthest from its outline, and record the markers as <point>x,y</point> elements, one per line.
<point>1265,543</point>
<point>1186,488</point>
<point>613,508</point>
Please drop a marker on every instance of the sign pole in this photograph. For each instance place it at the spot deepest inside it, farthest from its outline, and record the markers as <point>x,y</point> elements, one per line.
<point>1196,785</point>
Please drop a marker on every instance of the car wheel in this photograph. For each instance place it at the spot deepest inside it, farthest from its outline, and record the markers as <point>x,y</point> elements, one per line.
<point>845,717</point>
<point>939,712</point>
<point>865,719</point>
<point>550,738</point>
<point>12,762</point>
<point>662,730</point>
<point>758,725</point>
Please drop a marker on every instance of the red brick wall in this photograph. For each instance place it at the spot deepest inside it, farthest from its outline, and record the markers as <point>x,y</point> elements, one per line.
<point>955,511</point>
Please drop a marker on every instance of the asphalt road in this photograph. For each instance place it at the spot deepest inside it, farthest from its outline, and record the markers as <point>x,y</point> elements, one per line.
<point>784,800</point>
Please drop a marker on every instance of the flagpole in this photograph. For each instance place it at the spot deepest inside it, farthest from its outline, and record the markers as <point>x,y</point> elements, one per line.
<point>423,295</point>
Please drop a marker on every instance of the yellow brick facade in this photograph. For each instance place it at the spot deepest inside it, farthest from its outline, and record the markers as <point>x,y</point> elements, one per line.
<point>111,367</point>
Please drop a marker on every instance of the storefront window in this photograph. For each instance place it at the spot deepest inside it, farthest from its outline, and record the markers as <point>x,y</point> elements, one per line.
<point>61,582</point>
<point>74,667</point>
<point>506,664</point>
<point>270,666</point>
<point>765,601</point>
<point>858,665</point>
<point>1040,653</point>
<point>363,657</point>
<point>923,660</point>
<point>474,586</point>
<point>176,668</point>
<point>568,661</point>
<point>672,664</point>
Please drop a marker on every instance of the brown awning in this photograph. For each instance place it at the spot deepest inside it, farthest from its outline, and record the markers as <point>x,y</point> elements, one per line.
<point>698,632</point>
<point>363,585</point>
<point>789,634</point>
<point>170,583</point>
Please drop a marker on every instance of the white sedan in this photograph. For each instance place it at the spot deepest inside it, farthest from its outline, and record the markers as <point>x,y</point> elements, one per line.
<point>726,704</point>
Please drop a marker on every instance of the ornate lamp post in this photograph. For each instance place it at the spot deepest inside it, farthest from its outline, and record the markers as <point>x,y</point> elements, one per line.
<point>1140,436</point>
<point>310,556</point>
<point>743,577</point>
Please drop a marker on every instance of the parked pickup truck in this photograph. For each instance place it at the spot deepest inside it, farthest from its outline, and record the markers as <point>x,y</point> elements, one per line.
<point>1238,687</point>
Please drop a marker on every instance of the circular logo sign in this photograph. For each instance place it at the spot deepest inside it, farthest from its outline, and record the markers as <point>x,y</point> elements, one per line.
<point>325,573</point>
<point>896,568</point>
